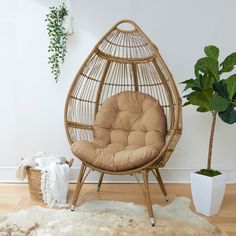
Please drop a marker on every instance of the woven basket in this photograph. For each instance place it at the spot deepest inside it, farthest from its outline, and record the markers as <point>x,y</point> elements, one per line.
<point>34,181</point>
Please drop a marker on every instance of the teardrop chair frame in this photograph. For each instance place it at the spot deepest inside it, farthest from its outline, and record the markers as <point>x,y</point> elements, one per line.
<point>123,60</point>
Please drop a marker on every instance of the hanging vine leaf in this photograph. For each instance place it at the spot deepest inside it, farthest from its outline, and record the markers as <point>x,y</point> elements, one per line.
<point>57,38</point>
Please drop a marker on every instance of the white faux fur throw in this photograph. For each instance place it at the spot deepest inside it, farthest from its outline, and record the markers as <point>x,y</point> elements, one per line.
<point>106,218</point>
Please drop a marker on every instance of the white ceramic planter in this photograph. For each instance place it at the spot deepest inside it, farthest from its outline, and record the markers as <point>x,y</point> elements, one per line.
<point>208,193</point>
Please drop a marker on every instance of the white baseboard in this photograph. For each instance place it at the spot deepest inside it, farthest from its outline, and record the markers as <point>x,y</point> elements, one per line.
<point>169,175</point>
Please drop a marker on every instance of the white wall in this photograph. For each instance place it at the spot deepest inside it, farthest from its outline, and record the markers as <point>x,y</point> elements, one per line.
<point>32,104</point>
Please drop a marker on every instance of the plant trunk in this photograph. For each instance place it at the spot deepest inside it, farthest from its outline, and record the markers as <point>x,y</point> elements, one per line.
<point>213,124</point>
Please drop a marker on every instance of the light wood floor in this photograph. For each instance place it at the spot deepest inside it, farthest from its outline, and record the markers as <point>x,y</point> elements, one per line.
<point>14,197</point>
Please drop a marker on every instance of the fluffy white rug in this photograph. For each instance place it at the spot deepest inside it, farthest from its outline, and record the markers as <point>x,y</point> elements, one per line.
<point>108,218</point>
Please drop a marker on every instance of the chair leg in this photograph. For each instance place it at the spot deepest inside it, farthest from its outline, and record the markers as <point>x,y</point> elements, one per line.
<point>100,182</point>
<point>148,198</point>
<point>78,186</point>
<point>162,186</point>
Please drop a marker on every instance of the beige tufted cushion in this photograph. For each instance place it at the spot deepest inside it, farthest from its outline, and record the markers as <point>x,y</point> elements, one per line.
<point>129,132</point>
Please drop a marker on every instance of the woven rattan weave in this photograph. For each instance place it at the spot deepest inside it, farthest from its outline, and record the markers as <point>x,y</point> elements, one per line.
<point>125,59</point>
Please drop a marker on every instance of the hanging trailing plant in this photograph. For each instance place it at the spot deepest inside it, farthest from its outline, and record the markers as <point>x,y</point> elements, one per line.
<point>58,38</point>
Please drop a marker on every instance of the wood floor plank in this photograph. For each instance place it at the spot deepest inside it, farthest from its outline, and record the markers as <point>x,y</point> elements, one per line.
<point>14,197</point>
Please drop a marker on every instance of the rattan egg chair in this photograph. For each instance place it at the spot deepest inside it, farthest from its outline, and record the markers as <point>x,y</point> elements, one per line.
<point>124,59</point>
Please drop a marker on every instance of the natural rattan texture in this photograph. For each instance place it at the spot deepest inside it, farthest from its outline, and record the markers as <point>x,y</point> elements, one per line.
<point>34,181</point>
<point>125,59</point>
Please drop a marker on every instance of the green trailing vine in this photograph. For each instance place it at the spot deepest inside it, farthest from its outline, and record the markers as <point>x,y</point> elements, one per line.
<point>57,37</point>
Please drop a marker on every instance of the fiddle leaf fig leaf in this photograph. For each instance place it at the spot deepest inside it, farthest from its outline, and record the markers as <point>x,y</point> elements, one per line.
<point>212,51</point>
<point>221,88</point>
<point>202,109</point>
<point>228,116</point>
<point>200,99</point>
<point>186,104</point>
<point>231,86</point>
<point>191,83</point>
<point>207,65</point>
<point>208,90</point>
<point>234,99</point>
<point>188,95</point>
<point>218,103</point>
<point>229,63</point>
<point>207,81</point>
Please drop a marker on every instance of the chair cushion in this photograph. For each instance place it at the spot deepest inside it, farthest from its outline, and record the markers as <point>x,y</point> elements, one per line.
<point>129,131</point>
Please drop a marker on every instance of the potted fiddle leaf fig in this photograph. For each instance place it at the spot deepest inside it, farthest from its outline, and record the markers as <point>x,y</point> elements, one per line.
<point>57,38</point>
<point>213,93</point>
